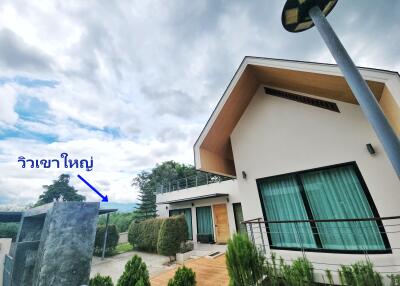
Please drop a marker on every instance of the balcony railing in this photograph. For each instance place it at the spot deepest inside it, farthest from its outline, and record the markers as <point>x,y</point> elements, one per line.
<point>265,235</point>
<point>200,179</point>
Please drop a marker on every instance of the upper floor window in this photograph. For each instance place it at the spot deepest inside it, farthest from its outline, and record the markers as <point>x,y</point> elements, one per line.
<point>328,193</point>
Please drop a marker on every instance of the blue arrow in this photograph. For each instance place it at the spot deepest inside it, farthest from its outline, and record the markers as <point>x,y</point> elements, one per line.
<point>104,198</point>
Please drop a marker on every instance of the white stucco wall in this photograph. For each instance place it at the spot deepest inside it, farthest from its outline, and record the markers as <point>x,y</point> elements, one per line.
<point>226,187</point>
<point>277,136</point>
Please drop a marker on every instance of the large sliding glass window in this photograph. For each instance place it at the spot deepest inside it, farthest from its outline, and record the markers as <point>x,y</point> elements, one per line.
<point>204,221</point>
<point>324,194</point>
<point>188,217</point>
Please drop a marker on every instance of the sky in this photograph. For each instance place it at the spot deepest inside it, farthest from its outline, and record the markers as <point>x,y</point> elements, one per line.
<point>132,83</point>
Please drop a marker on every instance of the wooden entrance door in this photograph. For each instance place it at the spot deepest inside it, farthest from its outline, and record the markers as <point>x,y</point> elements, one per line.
<point>221,223</point>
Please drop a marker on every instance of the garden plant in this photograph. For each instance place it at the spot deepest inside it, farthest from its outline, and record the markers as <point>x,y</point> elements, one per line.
<point>244,261</point>
<point>183,277</point>
<point>135,273</point>
<point>99,280</point>
<point>112,239</point>
<point>173,232</point>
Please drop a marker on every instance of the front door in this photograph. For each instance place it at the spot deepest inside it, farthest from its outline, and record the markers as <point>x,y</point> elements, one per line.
<point>221,223</point>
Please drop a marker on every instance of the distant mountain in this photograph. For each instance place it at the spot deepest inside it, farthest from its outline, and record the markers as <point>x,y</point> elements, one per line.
<point>122,207</point>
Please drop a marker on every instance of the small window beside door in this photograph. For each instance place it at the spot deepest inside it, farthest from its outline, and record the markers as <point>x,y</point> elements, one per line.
<point>238,213</point>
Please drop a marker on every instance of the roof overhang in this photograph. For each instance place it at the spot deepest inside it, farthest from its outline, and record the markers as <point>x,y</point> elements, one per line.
<point>213,150</point>
<point>196,198</point>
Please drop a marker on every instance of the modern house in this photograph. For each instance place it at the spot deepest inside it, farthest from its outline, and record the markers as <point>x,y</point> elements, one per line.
<point>308,172</point>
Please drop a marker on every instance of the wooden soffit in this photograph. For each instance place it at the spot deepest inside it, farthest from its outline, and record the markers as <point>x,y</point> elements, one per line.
<point>215,151</point>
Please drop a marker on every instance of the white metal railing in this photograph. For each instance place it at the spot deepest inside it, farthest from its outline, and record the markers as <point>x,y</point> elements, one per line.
<point>200,179</point>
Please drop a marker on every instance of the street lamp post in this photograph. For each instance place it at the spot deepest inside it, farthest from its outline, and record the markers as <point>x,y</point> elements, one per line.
<point>300,15</point>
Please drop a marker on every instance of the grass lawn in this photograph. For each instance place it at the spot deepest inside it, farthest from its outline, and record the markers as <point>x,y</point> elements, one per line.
<point>122,248</point>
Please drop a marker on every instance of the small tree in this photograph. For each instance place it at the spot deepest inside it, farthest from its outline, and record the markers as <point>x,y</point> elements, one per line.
<point>60,190</point>
<point>173,232</point>
<point>244,261</point>
<point>135,273</point>
<point>112,239</point>
<point>183,277</point>
<point>99,280</point>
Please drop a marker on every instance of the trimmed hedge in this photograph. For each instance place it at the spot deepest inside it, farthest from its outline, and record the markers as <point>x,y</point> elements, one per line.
<point>183,277</point>
<point>144,235</point>
<point>135,273</point>
<point>112,239</point>
<point>99,280</point>
<point>173,232</point>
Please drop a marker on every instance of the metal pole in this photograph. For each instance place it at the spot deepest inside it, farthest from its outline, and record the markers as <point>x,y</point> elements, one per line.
<point>361,91</point>
<point>105,238</point>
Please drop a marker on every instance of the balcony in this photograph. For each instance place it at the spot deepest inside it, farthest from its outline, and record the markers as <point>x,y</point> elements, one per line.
<point>200,179</point>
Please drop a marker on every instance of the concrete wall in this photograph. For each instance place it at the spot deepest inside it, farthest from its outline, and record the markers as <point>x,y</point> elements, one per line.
<point>277,136</point>
<point>228,187</point>
<point>5,245</point>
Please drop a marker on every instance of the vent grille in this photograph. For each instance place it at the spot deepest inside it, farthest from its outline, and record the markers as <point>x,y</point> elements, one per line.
<point>303,99</point>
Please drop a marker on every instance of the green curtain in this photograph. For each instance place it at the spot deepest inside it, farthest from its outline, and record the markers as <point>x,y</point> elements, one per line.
<point>335,194</point>
<point>204,221</point>
<point>238,212</point>
<point>282,201</point>
<point>188,217</point>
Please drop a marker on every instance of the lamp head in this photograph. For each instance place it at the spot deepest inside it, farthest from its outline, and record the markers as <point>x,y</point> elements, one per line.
<point>295,16</point>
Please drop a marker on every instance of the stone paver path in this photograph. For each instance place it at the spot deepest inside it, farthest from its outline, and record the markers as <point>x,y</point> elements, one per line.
<point>114,266</point>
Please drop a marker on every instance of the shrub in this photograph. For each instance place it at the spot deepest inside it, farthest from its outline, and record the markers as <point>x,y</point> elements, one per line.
<point>112,239</point>
<point>121,220</point>
<point>186,246</point>
<point>329,277</point>
<point>360,273</point>
<point>144,235</point>
<point>244,261</point>
<point>300,273</point>
<point>172,233</point>
<point>99,280</point>
<point>183,277</point>
<point>135,273</point>
<point>9,230</point>
<point>394,279</point>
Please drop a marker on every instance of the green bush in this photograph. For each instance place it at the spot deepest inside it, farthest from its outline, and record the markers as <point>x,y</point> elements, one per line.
<point>135,273</point>
<point>186,246</point>
<point>9,230</point>
<point>394,279</point>
<point>360,273</point>
<point>299,273</point>
<point>112,239</point>
<point>99,280</point>
<point>144,235</point>
<point>244,261</point>
<point>172,233</point>
<point>121,220</point>
<point>183,277</point>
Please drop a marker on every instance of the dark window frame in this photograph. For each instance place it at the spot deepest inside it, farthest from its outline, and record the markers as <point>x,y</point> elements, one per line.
<point>234,215</point>
<point>191,217</point>
<point>319,248</point>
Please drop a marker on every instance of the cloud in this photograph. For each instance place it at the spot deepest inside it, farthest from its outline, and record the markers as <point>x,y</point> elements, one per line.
<point>8,99</point>
<point>133,82</point>
<point>17,55</point>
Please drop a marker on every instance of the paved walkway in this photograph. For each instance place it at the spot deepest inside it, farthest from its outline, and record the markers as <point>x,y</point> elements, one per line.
<point>114,266</point>
<point>209,272</point>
